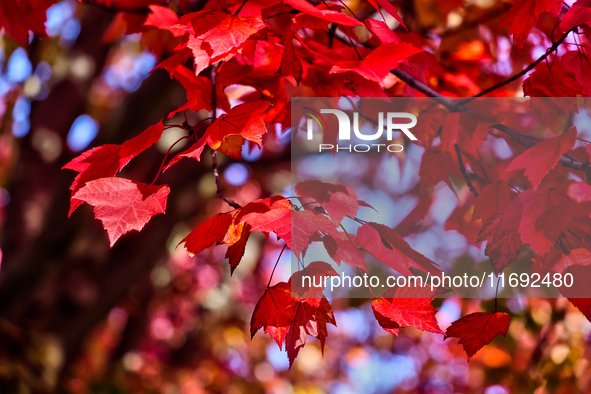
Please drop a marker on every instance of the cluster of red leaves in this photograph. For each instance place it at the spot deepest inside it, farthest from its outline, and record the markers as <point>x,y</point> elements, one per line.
<point>259,43</point>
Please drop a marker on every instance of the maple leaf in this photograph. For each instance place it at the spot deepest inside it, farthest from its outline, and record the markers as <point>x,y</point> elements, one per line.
<point>395,313</point>
<point>174,61</point>
<point>575,16</point>
<point>559,85</point>
<point>305,224</point>
<point>381,31</point>
<point>266,215</point>
<point>492,200</point>
<point>208,233</point>
<point>524,14</point>
<point>379,62</point>
<point>338,201</point>
<point>547,214</point>
<point>390,9</point>
<point>123,205</point>
<point>236,238</point>
<point>275,311</point>
<point>344,249</point>
<point>243,122</point>
<point>326,14</point>
<point>161,17</point>
<point>230,34</point>
<point>312,315</point>
<point>580,66</point>
<point>194,152</point>
<point>478,329</point>
<point>501,232</point>
<point>290,64</point>
<point>390,248</point>
<point>17,17</point>
<point>436,167</point>
<point>541,158</point>
<point>107,160</point>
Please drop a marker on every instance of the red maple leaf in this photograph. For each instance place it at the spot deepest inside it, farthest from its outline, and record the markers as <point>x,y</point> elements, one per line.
<point>312,315</point>
<point>492,200</point>
<point>547,214</point>
<point>577,15</point>
<point>436,167</point>
<point>275,311</point>
<point>541,158</point>
<point>390,9</point>
<point>390,248</point>
<point>381,31</point>
<point>305,224</point>
<point>290,64</point>
<point>236,239</point>
<point>580,65</point>
<point>344,249</point>
<point>123,205</point>
<point>478,329</point>
<point>17,17</point>
<point>269,214</point>
<point>326,14</point>
<point>107,160</point>
<point>208,233</point>
<point>379,62</point>
<point>243,122</point>
<point>395,313</point>
<point>228,36</point>
<point>524,14</point>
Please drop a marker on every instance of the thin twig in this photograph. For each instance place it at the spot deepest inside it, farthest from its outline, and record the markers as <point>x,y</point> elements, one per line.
<point>522,72</point>
<point>214,158</point>
<point>275,266</point>
<point>464,172</point>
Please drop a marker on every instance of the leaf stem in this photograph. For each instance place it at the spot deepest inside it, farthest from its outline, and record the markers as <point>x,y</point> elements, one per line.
<point>464,172</point>
<point>275,266</point>
<point>214,158</point>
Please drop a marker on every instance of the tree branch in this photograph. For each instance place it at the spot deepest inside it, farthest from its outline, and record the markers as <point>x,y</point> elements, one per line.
<point>464,172</point>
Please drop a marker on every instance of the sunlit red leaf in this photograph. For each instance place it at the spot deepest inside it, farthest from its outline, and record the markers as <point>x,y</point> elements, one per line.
<point>524,14</point>
<point>323,13</point>
<point>107,160</point>
<point>123,205</point>
<point>17,17</point>
<point>390,248</point>
<point>379,62</point>
<point>478,329</point>
<point>208,233</point>
<point>541,158</point>
<point>270,214</point>
<point>395,313</point>
<point>275,311</point>
<point>244,122</point>
<point>290,64</point>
